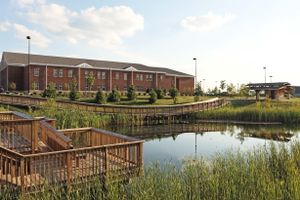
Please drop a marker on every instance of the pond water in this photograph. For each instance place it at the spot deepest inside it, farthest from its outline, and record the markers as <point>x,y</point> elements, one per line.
<point>174,143</point>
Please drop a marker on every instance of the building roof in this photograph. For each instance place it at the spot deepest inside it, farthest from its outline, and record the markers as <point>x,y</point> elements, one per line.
<point>13,59</point>
<point>268,86</point>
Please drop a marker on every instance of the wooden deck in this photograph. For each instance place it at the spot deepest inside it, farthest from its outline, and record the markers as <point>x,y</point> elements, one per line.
<point>50,156</point>
<point>143,111</point>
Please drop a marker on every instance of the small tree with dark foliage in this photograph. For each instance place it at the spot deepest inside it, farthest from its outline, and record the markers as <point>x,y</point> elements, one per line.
<point>174,93</point>
<point>114,96</point>
<point>153,96</point>
<point>74,94</point>
<point>131,93</point>
<point>160,93</point>
<point>100,97</point>
<point>50,91</point>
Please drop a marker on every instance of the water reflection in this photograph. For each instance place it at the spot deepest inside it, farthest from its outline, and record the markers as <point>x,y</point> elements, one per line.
<point>178,141</point>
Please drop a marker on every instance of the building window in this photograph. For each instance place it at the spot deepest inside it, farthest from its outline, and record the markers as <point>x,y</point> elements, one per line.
<point>161,77</point>
<point>55,72</point>
<point>98,75</point>
<point>149,77</point>
<point>36,71</point>
<point>117,76</point>
<point>103,74</point>
<point>125,76</point>
<point>60,73</point>
<point>86,73</point>
<point>70,73</point>
<point>59,86</point>
<point>139,77</point>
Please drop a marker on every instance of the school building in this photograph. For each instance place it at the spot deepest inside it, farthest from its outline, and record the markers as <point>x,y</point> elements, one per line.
<point>35,72</point>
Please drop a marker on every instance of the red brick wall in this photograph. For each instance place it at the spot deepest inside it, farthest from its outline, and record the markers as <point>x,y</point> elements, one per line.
<point>3,78</point>
<point>185,85</point>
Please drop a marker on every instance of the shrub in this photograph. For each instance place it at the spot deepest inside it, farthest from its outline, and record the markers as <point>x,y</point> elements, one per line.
<point>174,93</point>
<point>12,86</point>
<point>153,96</point>
<point>50,91</point>
<point>114,96</point>
<point>100,97</point>
<point>74,94</point>
<point>131,93</point>
<point>160,93</point>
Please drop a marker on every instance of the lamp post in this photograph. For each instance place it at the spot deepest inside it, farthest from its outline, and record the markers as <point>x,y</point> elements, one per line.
<point>265,68</point>
<point>28,61</point>
<point>271,79</point>
<point>195,59</point>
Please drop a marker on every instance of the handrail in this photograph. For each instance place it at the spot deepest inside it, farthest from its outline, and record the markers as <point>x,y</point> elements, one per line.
<point>179,109</point>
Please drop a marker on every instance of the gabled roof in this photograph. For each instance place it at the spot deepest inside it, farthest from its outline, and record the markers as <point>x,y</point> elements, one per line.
<point>268,86</point>
<point>21,59</point>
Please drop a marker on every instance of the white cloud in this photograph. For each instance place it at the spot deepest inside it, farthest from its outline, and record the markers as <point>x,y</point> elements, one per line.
<point>37,38</point>
<point>26,3</point>
<point>103,27</point>
<point>4,26</point>
<point>207,22</point>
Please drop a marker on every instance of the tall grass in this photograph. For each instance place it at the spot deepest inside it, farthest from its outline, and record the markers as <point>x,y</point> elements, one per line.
<point>264,173</point>
<point>284,112</point>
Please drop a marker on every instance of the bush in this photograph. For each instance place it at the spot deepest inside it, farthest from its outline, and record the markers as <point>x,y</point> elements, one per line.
<point>131,93</point>
<point>114,96</point>
<point>12,86</point>
<point>174,93</point>
<point>100,97</point>
<point>50,91</point>
<point>74,94</point>
<point>153,97</point>
<point>160,93</point>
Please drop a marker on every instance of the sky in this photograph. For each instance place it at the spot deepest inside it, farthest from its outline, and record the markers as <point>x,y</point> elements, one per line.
<point>232,39</point>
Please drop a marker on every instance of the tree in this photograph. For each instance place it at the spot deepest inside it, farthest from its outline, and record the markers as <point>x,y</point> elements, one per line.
<point>74,94</point>
<point>90,79</point>
<point>160,93</point>
<point>222,85</point>
<point>174,93</point>
<point>131,93</point>
<point>153,96</point>
<point>12,86</point>
<point>198,92</point>
<point>100,97</point>
<point>244,90</point>
<point>114,96</point>
<point>231,89</point>
<point>50,91</point>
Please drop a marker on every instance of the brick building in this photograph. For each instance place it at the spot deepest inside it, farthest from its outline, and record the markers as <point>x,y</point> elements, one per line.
<point>109,75</point>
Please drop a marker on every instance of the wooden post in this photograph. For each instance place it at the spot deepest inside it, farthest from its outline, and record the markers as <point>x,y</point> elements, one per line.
<point>34,135</point>
<point>141,159</point>
<point>69,166</point>
<point>22,174</point>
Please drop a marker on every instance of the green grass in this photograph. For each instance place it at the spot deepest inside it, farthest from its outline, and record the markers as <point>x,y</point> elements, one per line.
<point>268,111</point>
<point>271,173</point>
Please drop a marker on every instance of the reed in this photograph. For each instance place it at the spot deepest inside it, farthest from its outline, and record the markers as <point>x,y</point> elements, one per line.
<point>284,112</point>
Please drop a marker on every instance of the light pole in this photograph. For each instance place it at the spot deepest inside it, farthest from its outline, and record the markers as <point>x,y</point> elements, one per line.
<point>195,59</point>
<point>271,79</point>
<point>28,61</point>
<point>265,68</point>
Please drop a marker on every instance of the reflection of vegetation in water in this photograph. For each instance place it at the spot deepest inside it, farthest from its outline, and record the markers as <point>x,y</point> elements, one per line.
<point>269,132</point>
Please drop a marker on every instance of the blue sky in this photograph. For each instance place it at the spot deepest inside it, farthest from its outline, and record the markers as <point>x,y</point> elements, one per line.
<point>232,39</point>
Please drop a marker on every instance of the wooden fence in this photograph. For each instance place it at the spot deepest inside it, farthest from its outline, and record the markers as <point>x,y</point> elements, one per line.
<point>164,110</point>
<point>53,156</point>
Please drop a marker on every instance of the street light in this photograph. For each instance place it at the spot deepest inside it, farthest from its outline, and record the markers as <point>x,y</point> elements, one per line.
<point>195,59</point>
<point>271,79</point>
<point>28,61</point>
<point>265,68</point>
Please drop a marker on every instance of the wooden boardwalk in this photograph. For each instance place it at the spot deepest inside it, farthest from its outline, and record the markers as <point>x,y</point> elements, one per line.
<point>51,157</point>
<point>142,111</point>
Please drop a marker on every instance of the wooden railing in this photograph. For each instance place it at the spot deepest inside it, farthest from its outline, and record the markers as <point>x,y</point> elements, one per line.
<point>29,172</point>
<point>165,110</point>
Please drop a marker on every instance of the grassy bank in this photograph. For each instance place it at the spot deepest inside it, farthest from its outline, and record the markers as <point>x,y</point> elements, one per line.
<point>268,111</point>
<point>260,174</point>
<point>73,118</point>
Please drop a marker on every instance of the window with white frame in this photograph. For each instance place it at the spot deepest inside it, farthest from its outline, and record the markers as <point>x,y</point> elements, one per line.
<point>117,75</point>
<point>161,77</point>
<point>55,72</point>
<point>60,73</point>
<point>141,77</point>
<point>86,73</point>
<point>36,71</point>
<point>70,73</point>
<point>98,75</point>
<point>59,87</point>
<point>103,75</point>
<point>125,76</point>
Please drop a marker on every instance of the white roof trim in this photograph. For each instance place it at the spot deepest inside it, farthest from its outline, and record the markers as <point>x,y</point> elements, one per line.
<point>84,65</point>
<point>131,68</point>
